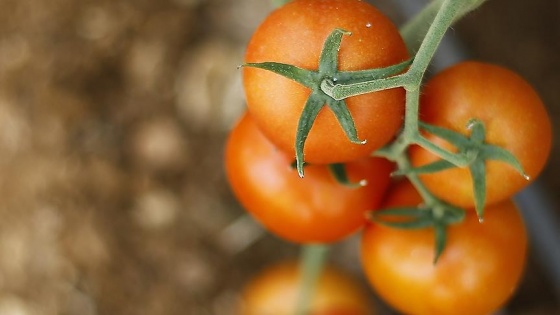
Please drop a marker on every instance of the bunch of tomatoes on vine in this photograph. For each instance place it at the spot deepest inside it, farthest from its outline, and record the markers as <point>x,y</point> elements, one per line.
<point>343,134</point>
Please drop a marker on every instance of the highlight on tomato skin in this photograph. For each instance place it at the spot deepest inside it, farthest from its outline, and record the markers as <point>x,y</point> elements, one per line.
<point>313,209</point>
<point>513,115</point>
<point>477,273</point>
<point>274,290</point>
<point>294,34</point>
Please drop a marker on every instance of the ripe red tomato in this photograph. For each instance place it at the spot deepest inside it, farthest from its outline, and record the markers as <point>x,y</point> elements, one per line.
<point>275,290</point>
<point>294,34</point>
<point>314,209</point>
<point>477,272</point>
<point>513,114</point>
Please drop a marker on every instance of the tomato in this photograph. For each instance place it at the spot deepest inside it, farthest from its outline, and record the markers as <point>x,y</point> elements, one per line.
<point>477,272</point>
<point>275,291</point>
<point>294,34</point>
<point>513,114</point>
<point>315,208</point>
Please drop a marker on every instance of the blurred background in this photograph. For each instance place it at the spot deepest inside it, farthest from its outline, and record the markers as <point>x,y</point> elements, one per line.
<point>113,116</point>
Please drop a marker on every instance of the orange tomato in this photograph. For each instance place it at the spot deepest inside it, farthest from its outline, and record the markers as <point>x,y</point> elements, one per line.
<point>313,209</point>
<point>477,272</point>
<point>513,114</point>
<point>275,291</point>
<point>294,34</point>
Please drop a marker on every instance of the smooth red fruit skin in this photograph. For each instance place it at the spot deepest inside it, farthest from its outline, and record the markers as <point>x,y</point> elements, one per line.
<point>313,209</point>
<point>479,270</point>
<point>513,114</point>
<point>294,34</point>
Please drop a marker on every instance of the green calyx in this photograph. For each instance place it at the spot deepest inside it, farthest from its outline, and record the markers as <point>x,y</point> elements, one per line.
<point>473,152</point>
<point>437,216</point>
<point>324,84</point>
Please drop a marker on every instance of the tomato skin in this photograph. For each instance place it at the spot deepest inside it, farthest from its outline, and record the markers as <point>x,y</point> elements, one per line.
<point>294,34</point>
<point>274,292</point>
<point>515,119</point>
<point>478,271</point>
<point>313,209</point>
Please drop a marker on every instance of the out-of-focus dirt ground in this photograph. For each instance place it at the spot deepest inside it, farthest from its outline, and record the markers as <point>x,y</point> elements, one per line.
<point>113,116</point>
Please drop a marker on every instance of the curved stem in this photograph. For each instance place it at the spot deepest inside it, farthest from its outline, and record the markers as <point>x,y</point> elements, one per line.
<point>445,16</point>
<point>448,12</point>
<point>342,91</point>
<point>416,28</point>
<point>279,3</point>
<point>397,148</point>
<point>403,163</point>
<point>312,259</point>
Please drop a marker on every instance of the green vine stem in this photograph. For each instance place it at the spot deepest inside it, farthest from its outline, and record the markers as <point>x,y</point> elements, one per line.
<point>416,28</point>
<point>279,3</point>
<point>312,260</point>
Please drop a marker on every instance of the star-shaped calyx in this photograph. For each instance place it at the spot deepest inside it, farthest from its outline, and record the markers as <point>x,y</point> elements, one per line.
<point>319,81</point>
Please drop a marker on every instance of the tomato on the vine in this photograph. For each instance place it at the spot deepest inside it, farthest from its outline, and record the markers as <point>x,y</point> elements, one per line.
<point>514,117</point>
<point>275,291</point>
<point>294,34</point>
<point>313,209</point>
<point>478,271</point>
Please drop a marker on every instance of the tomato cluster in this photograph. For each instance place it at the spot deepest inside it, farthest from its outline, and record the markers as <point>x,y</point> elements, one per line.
<point>343,182</point>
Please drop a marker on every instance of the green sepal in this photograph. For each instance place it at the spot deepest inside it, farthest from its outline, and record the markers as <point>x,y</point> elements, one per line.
<point>492,152</point>
<point>302,76</point>
<point>426,216</point>
<point>338,171</point>
<point>293,165</point>
<point>437,217</point>
<point>478,174</point>
<point>453,137</point>
<point>314,103</point>
<point>440,236</point>
<point>416,218</point>
<point>328,63</point>
<point>433,167</point>
<point>345,120</point>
